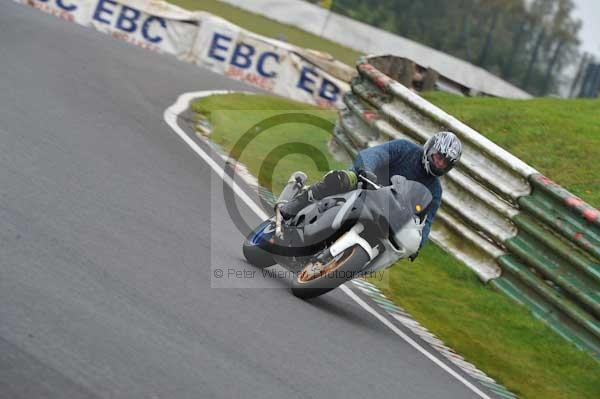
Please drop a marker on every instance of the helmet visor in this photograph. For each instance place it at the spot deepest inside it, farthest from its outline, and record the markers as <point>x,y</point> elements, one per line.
<point>439,161</point>
<point>440,164</point>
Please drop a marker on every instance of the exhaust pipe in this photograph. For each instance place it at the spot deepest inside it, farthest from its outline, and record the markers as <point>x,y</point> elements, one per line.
<point>293,187</point>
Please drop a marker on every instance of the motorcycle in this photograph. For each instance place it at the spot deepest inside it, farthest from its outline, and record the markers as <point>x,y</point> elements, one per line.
<point>343,236</point>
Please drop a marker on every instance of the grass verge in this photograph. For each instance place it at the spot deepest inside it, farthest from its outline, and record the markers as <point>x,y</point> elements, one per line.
<point>270,28</point>
<point>487,328</point>
<point>560,138</point>
<point>555,136</point>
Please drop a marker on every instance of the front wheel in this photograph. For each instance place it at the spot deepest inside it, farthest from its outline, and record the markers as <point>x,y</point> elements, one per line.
<point>317,278</point>
<point>256,245</point>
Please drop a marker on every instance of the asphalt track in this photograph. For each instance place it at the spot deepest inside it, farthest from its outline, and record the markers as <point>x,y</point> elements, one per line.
<point>110,227</point>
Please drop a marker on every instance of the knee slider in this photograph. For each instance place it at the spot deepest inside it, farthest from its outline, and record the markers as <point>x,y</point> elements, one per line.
<point>338,179</point>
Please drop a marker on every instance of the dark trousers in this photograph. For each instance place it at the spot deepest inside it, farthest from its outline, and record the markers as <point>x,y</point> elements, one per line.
<point>333,182</point>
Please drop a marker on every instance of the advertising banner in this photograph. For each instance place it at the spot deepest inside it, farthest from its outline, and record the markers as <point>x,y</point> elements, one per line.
<point>208,41</point>
<point>77,11</point>
<point>136,26</point>
<point>265,63</point>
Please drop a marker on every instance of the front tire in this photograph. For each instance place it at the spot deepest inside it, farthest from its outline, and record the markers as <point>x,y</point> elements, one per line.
<point>336,272</point>
<point>255,246</point>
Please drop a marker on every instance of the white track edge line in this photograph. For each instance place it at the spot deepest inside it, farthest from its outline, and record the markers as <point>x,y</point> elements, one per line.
<point>170,116</point>
<point>411,341</point>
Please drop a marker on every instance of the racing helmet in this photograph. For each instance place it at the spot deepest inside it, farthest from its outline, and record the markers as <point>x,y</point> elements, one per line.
<point>441,152</point>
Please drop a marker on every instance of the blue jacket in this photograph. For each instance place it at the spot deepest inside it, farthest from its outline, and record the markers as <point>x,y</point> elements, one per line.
<point>404,158</point>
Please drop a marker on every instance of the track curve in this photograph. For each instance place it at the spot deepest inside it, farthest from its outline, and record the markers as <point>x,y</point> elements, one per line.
<point>109,224</point>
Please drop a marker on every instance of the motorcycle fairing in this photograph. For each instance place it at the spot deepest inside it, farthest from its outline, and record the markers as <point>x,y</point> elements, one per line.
<point>389,208</point>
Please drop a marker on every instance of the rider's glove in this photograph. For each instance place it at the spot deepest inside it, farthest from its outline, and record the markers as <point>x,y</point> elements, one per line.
<point>368,175</point>
<point>413,256</point>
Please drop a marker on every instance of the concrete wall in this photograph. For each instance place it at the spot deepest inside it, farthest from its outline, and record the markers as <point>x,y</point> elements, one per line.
<point>370,40</point>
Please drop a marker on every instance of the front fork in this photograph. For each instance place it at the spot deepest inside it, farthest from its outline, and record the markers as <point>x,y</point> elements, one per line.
<point>349,239</point>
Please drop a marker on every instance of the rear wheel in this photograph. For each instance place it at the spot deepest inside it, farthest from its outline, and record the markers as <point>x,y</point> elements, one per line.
<point>256,245</point>
<point>319,278</point>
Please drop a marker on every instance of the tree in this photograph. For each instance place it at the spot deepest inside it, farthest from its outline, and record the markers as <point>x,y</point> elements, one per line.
<point>528,42</point>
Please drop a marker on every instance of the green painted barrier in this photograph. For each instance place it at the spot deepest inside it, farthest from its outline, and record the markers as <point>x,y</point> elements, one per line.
<point>553,266</point>
<point>550,315</point>
<point>520,232</point>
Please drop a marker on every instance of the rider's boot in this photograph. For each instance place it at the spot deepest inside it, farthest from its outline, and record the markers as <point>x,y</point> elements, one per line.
<point>291,208</point>
<point>334,182</point>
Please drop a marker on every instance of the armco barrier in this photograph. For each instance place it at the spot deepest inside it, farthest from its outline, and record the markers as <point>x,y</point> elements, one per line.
<point>520,232</point>
<point>212,42</point>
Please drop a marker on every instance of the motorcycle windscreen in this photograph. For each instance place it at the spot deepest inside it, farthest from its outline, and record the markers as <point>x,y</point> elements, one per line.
<point>393,206</point>
<point>411,194</point>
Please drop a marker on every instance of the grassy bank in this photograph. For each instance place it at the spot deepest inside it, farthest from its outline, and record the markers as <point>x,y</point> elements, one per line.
<point>560,138</point>
<point>487,328</point>
<point>270,28</point>
<point>233,115</point>
<point>555,136</point>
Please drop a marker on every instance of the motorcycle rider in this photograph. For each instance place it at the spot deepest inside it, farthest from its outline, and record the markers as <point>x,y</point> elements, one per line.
<point>425,164</point>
